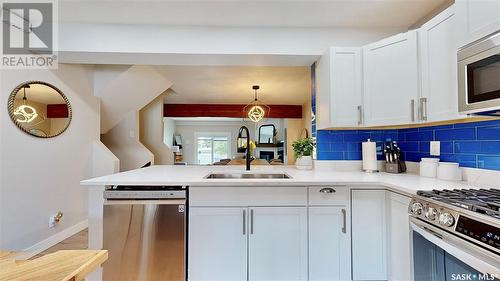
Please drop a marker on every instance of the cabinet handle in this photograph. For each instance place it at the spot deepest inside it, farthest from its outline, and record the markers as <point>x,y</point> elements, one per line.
<point>244,222</point>
<point>360,115</point>
<point>344,226</point>
<point>423,109</point>
<point>327,190</point>
<point>412,109</point>
<point>251,221</point>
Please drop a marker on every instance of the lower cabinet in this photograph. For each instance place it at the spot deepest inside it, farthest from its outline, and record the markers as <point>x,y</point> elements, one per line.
<point>329,249</point>
<point>277,243</point>
<point>217,248</point>
<point>257,243</point>
<point>381,244</point>
<point>369,245</point>
<point>399,253</point>
<point>321,240</point>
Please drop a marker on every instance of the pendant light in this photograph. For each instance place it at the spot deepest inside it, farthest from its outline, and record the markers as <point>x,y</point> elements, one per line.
<point>256,110</point>
<point>24,112</point>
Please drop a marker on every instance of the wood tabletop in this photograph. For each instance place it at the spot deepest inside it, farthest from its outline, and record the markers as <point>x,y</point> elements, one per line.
<point>59,266</point>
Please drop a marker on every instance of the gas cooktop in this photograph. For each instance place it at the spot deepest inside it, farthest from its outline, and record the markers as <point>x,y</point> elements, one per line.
<point>483,201</point>
<point>470,214</point>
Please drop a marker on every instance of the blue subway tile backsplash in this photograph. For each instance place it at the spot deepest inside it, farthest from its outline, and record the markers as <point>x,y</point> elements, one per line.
<point>475,144</point>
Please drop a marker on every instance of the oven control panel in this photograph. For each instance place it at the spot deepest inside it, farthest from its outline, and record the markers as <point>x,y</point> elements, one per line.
<point>479,231</point>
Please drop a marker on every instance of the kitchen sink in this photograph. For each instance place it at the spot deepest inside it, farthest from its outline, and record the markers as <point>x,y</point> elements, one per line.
<point>249,176</point>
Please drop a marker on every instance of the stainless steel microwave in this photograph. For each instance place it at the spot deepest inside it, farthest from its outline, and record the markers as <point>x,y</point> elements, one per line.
<point>479,76</point>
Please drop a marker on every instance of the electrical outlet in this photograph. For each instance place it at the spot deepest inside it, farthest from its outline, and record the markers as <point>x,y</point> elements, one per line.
<point>435,148</point>
<point>52,221</point>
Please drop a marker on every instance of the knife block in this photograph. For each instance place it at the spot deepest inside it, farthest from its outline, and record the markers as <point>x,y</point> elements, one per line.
<point>395,168</point>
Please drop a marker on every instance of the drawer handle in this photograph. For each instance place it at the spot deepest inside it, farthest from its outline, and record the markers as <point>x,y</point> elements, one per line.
<point>327,190</point>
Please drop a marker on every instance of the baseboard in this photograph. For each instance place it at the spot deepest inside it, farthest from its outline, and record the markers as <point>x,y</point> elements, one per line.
<point>53,240</point>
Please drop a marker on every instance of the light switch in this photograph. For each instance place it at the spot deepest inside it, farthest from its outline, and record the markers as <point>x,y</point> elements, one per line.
<point>435,148</point>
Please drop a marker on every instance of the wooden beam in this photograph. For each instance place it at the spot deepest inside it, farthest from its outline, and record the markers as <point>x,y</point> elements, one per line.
<point>227,110</point>
<point>57,111</point>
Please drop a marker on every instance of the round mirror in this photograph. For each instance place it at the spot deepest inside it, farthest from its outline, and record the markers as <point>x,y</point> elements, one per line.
<point>39,109</point>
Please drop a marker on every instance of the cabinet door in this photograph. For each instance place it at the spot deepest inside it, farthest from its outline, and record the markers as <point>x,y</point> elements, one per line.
<point>278,243</point>
<point>329,247</point>
<point>339,87</point>
<point>390,76</point>
<point>347,100</point>
<point>477,19</point>
<point>323,90</point>
<point>438,58</point>
<point>217,244</point>
<point>399,254</point>
<point>368,235</point>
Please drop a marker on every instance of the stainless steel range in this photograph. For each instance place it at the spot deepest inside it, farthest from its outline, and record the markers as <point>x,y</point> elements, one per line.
<point>464,224</point>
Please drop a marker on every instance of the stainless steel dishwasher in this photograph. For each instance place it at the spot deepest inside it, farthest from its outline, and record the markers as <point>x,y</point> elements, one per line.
<point>145,233</point>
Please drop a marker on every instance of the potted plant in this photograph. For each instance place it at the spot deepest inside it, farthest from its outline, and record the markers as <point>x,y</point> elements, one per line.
<point>303,149</point>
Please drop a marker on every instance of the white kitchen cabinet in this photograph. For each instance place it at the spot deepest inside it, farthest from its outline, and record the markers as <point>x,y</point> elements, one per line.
<point>369,234</point>
<point>399,253</point>
<point>339,88</point>
<point>390,78</point>
<point>438,43</point>
<point>476,19</point>
<point>277,243</point>
<point>217,244</point>
<point>329,247</point>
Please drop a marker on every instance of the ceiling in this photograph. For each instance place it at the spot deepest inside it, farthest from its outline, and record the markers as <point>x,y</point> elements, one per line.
<point>41,94</point>
<point>245,13</point>
<point>233,84</point>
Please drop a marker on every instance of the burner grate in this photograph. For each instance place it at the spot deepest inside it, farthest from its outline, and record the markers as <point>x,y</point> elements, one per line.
<point>484,201</point>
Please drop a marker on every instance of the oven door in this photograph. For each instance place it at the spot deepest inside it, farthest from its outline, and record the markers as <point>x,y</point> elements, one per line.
<point>479,76</point>
<point>439,256</point>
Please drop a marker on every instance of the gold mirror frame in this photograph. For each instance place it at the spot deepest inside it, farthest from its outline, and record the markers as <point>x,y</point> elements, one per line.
<point>10,108</point>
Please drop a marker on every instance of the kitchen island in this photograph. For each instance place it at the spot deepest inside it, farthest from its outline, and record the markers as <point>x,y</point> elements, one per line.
<point>313,225</point>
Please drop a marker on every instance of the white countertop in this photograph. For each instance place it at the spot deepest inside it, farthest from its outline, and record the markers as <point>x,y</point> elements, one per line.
<point>195,176</point>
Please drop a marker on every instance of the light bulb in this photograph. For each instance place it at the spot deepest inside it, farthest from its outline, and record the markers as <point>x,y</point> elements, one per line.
<point>25,113</point>
<point>256,113</point>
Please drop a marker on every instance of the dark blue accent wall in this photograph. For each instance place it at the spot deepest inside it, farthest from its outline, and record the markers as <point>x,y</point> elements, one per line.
<point>475,145</point>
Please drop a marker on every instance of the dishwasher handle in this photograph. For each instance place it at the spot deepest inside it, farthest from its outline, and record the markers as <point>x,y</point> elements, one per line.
<point>146,202</point>
<point>114,194</point>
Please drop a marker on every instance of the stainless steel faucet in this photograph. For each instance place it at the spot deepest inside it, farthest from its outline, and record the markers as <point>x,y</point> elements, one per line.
<point>247,151</point>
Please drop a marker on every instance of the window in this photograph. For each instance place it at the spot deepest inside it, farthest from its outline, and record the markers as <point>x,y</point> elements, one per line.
<point>211,148</point>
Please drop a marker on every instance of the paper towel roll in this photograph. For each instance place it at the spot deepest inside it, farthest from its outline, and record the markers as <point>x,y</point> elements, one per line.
<point>369,149</point>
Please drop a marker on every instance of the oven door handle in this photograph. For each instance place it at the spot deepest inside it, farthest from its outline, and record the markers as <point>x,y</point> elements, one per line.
<point>475,256</point>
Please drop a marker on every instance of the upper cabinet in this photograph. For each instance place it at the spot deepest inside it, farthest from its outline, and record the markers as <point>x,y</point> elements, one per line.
<point>476,19</point>
<point>391,90</point>
<point>438,43</point>
<point>339,93</point>
<point>403,79</point>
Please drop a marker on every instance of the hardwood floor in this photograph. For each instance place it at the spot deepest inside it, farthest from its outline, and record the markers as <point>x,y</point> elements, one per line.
<point>78,241</point>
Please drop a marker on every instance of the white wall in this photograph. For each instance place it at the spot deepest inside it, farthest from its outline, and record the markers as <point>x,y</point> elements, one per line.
<point>123,141</point>
<point>85,40</point>
<point>41,176</point>
<point>188,129</point>
<point>124,89</point>
<point>151,132</point>
<point>168,131</point>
